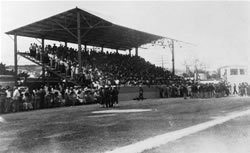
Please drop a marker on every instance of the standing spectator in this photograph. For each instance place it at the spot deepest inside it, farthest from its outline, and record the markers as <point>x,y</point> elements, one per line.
<point>7,100</point>
<point>235,90</point>
<point>185,91</point>
<point>106,96</point>
<point>42,94</point>
<point>140,93</point>
<point>102,96</point>
<point>2,99</point>
<point>16,100</point>
<point>115,93</point>
<point>248,90</point>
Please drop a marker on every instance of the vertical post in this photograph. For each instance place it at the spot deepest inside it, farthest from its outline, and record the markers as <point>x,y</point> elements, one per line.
<point>102,49</point>
<point>85,48</point>
<point>173,69</point>
<point>66,44</point>
<point>129,52</point>
<point>15,58</point>
<point>162,65</point>
<point>43,69</point>
<point>136,51</point>
<point>116,51</point>
<point>79,41</point>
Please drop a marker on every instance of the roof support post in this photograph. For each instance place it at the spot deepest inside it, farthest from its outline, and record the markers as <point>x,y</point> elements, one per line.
<point>15,58</point>
<point>65,44</point>
<point>136,51</point>
<point>79,42</point>
<point>85,48</point>
<point>102,49</point>
<point>172,47</point>
<point>129,52</point>
<point>116,51</point>
<point>43,69</point>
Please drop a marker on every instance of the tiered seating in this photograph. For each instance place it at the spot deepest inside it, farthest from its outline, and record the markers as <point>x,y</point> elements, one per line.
<point>47,67</point>
<point>98,67</point>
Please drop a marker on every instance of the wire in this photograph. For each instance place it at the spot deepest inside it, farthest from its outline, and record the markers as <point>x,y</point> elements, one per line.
<point>39,41</point>
<point>11,37</point>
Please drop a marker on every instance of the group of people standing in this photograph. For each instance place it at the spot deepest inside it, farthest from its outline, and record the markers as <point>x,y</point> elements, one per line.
<point>243,89</point>
<point>10,100</point>
<point>194,90</point>
<point>51,96</point>
<point>109,96</point>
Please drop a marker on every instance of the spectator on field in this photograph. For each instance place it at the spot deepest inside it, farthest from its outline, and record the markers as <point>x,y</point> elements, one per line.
<point>115,94</point>
<point>235,90</point>
<point>184,90</point>
<point>140,93</point>
<point>16,100</point>
<point>8,100</point>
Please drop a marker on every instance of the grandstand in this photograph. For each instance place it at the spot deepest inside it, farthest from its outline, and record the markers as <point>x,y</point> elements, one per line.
<point>82,66</point>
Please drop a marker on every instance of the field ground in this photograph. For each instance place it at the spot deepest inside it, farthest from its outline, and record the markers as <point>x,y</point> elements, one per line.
<point>91,129</point>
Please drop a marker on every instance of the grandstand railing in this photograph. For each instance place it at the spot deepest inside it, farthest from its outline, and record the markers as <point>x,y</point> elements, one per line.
<point>48,68</point>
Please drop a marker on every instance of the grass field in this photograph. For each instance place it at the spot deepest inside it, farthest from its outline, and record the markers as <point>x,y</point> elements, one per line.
<point>90,129</point>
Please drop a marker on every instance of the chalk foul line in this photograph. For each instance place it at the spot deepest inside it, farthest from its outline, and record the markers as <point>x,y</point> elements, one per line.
<point>159,140</point>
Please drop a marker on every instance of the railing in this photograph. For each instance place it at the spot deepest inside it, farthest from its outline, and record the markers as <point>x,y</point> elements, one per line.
<point>48,68</point>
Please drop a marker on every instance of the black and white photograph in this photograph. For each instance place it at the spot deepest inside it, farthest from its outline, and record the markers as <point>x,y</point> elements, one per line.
<point>124,76</point>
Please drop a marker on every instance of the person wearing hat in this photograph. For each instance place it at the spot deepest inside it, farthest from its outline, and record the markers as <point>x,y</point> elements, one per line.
<point>106,96</point>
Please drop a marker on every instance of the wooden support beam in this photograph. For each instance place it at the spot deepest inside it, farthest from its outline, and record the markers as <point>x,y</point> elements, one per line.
<point>102,49</point>
<point>15,59</point>
<point>79,41</point>
<point>43,69</point>
<point>66,29</point>
<point>136,51</point>
<point>85,47</point>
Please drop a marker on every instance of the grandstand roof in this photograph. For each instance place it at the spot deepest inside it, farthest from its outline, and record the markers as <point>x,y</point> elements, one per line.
<point>95,31</point>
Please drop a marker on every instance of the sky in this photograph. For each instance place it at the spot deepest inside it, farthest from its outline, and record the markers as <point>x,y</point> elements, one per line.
<point>218,30</point>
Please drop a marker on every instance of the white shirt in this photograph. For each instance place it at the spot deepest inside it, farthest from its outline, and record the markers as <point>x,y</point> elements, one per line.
<point>8,94</point>
<point>16,94</point>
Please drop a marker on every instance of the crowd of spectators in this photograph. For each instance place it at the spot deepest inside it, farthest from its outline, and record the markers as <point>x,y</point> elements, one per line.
<point>194,90</point>
<point>102,68</point>
<point>243,89</point>
<point>23,98</point>
<point>103,74</point>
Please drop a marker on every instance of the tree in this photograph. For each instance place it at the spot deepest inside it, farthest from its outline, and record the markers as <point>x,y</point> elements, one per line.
<point>4,71</point>
<point>215,75</point>
<point>197,67</point>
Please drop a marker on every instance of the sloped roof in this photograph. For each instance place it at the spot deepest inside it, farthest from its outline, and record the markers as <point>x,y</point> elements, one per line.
<point>95,31</point>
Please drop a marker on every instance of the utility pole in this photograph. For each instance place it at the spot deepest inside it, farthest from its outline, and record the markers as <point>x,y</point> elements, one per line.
<point>172,47</point>
<point>162,64</point>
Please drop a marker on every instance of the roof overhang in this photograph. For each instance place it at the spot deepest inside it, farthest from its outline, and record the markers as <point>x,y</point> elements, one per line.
<point>95,31</point>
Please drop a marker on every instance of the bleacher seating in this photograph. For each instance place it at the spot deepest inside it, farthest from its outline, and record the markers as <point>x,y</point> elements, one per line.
<point>100,68</point>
